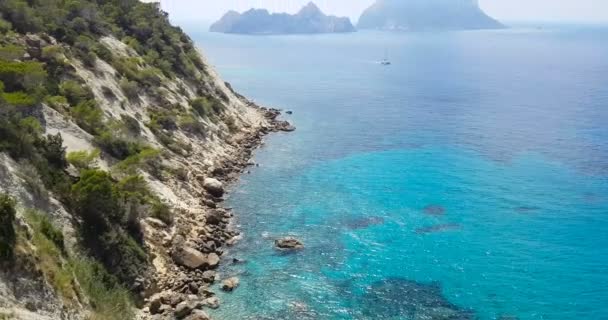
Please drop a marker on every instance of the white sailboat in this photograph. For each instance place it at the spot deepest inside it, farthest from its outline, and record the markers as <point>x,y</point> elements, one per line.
<point>385,61</point>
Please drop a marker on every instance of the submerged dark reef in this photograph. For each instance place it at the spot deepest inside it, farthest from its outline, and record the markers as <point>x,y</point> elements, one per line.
<point>399,298</point>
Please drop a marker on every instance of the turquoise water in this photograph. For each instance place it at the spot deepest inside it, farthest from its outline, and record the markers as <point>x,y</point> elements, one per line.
<point>469,180</point>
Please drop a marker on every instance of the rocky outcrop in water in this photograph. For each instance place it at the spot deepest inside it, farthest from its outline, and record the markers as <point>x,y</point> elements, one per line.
<point>417,15</point>
<point>289,243</point>
<point>309,19</point>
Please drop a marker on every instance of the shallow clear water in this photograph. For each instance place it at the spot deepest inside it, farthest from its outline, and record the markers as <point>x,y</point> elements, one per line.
<point>467,180</point>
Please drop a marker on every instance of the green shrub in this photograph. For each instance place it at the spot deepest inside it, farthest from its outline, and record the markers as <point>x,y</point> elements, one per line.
<point>5,26</point>
<point>131,125</point>
<point>83,159</point>
<point>100,204</point>
<point>95,201</point>
<point>58,103</point>
<point>88,116</point>
<point>41,223</point>
<point>150,77</point>
<point>207,107</point>
<point>162,212</point>
<point>161,119</point>
<point>128,67</point>
<point>191,124</point>
<point>32,181</point>
<point>75,92</point>
<point>22,76</point>
<point>103,52</point>
<point>52,149</point>
<point>11,52</point>
<point>7,230</point>
<point>147,158</point>
<point>117,145</point>
<point>21,15</point>
<point>53,53</point>
<point>19,99</point>
<point>49,244</point>
<point>19,134</point>
<point>130,89</point>
<point>110,300</point>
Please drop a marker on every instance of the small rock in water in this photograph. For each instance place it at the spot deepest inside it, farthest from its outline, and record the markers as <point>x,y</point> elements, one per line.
<point>289,243</point>
<point>230,284</point>
<point>289,112</point>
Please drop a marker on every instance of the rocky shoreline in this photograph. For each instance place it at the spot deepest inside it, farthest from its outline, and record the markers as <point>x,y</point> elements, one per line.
<point>199,241</point>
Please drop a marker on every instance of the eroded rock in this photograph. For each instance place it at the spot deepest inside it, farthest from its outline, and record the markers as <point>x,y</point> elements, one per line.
<point>230,284</point>
<point>198,315</point>
<point>212,302</point>
<point>189,257</point>
<point>183,309</point>
<point>214,187</point>
<point>289,243</point>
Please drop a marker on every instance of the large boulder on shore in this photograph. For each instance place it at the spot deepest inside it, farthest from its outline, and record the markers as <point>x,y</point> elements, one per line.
<point>212,260</point>
<point>215,217</point>
<point>194,259</point>
<point>189,257</point>
<point>214,187</point>
<point>288,243</point>
<point>183,309</point>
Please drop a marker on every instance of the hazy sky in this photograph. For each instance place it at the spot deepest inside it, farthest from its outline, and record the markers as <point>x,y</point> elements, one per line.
<point>507,10</point>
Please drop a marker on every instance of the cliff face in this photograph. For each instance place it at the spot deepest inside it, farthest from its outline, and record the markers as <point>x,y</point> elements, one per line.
<point>426,15</point>
<point>309,19</point>
<point>117,139</point>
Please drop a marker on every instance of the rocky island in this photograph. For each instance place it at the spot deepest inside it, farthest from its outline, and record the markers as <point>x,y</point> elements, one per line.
<point>422,15</point>
<point>308,20</point>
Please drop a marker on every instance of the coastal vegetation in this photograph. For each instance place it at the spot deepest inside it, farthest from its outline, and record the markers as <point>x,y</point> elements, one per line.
<point>104,108</point>
<point>108,204</point>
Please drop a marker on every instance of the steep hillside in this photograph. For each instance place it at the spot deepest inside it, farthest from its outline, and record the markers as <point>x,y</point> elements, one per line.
<point>117,140</point>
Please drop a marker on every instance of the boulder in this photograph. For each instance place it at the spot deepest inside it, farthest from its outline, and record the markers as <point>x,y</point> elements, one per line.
<point>155,305</point>
<point>198,315</point>
<point>230,284</point>
<point>212,302</point>
<point>214,187</point>
<point>189,257</point>
<point>212,260</point>
<point>155,223</point>
<point>215,217</point>
<point>209,276</point>
<point>171,298</point>
<point>289,243</point>
<point>183,309</point>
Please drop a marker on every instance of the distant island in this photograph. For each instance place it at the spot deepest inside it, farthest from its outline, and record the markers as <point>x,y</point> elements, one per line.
<point>420,15</point>
<point>309,19</point>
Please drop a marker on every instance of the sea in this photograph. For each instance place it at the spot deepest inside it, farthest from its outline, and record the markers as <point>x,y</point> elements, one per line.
<point>467,180</point>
